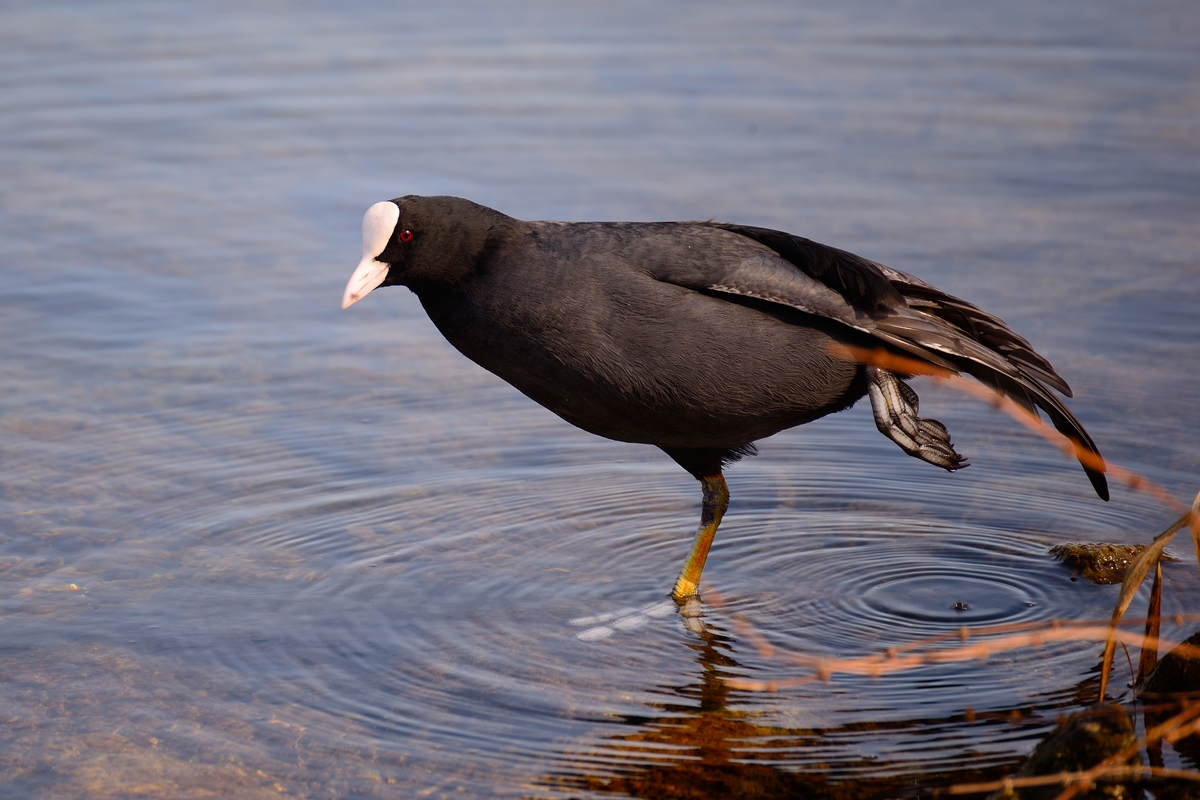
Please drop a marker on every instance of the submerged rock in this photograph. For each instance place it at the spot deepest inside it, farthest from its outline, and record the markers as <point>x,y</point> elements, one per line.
<point>1086,739</point>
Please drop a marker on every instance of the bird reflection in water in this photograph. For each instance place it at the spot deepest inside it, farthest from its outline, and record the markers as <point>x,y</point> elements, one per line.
<point>704,740</point>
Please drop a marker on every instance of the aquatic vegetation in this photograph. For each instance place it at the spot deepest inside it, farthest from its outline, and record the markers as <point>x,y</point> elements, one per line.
<point>1128,565</point>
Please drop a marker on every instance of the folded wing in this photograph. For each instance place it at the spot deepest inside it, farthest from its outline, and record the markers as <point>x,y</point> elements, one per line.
<point>902,312</point>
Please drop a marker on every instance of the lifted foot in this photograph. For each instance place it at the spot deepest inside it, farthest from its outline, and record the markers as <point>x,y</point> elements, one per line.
<point>895,406</point>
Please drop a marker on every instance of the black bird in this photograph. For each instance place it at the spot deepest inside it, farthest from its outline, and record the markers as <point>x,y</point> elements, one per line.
<point>697,337</point>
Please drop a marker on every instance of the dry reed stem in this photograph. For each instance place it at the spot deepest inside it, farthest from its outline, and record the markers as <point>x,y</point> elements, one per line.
<point>1034,630</point>
<point>1182,724</point>
<point>1129,772</point>
<point>1140,566</point>
<point>897,659</point>
<point>1148,658</point>
<point>1177,727</point>
<point>1135,573</point>
<point>1194,525</point>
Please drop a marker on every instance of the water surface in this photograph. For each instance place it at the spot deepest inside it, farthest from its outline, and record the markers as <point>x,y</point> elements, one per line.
<point>250,543</point>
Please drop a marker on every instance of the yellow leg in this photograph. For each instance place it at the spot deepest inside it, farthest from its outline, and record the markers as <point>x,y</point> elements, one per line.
<point>716,500</point>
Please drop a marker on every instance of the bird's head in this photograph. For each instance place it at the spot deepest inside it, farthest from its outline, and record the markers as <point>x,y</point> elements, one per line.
<point>420,240</point>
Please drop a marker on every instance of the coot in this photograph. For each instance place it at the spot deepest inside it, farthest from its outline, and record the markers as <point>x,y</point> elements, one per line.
<point>697,337</point>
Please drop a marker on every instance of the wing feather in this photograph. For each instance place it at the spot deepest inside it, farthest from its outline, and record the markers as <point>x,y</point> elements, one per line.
<point>899,310</point>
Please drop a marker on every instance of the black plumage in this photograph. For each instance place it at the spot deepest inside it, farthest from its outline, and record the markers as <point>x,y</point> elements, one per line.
<point>697,337</point>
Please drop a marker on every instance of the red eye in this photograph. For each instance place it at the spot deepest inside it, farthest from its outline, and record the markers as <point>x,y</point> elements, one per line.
<point>406,236</point>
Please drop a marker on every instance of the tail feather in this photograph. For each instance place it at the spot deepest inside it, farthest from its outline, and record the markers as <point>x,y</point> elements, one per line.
<point>1010,376</point>
<point>981,345</point>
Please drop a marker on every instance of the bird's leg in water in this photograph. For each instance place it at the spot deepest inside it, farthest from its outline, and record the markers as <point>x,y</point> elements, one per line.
<point>716,500</point>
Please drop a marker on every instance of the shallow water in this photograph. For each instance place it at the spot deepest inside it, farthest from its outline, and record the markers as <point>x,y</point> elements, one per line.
<point>251,543</point>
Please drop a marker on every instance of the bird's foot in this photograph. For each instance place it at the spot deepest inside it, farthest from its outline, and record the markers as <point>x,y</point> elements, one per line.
<point>895,406</point>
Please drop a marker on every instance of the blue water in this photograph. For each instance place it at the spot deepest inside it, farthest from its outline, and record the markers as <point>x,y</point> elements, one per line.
<point>250,543</point>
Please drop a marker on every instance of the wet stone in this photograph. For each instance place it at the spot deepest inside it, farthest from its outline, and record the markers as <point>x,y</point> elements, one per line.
<point>1098,562</point>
